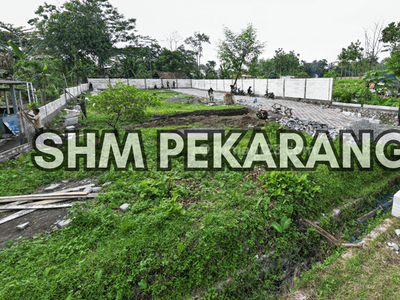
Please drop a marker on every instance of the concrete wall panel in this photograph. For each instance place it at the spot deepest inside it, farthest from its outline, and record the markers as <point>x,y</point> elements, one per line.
<point>294,88</point>
<point>275,86</point>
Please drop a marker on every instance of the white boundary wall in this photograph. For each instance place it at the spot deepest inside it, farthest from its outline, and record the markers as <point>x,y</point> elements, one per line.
<point>48,110</point>
<point>147,83</point>
<point>51,107</point>
<point>310,88</point>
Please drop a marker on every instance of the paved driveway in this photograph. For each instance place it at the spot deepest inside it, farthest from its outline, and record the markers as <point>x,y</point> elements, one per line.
<point>303,111</point>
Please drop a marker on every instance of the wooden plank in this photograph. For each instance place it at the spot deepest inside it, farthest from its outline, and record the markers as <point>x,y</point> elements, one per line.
<point>47,206</point>
<point>92,195</point>
<point>25,212</point>
<point>44,196</point>
<point>40,195</point>
<point>75,188</point>
<point>14,203</point>
<point>16,215</point>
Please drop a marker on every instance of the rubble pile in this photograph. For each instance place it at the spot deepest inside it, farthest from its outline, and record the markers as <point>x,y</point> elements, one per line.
<point>310,127</point>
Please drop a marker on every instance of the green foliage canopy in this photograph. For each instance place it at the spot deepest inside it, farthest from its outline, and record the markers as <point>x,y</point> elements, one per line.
<point>122,101</point>
<point>80,29</point>
<point>240,51</point>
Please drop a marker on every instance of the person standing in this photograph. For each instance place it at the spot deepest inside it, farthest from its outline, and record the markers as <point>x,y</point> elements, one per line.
<point>398,117</point>
<point>211,94</point>
<point>82,104</point>
<point>37,121</point>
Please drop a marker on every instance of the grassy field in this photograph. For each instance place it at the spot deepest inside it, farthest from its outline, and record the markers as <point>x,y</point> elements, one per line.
<point>185,231</point>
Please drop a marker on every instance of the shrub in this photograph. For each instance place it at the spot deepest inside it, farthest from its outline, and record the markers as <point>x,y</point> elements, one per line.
<point>344,90</point>
<point>122,101</point>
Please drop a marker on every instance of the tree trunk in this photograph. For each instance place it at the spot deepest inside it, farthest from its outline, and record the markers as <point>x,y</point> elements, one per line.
<point>41,96</point>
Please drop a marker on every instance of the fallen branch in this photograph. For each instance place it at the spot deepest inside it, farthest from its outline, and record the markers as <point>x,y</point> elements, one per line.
<point>371,214</point>
<point>323,232</point>
<point>331,238</point>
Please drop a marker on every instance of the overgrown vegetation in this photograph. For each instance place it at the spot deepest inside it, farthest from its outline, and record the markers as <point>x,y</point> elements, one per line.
<point>183,232</point>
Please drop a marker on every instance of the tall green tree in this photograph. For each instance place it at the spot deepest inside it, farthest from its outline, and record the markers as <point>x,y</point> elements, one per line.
<point>79,29</point>
<point>210,70</point>
<point>343,58</point>
<point>286,63</point>
<point>180,60</point>
<point>355,54</point>
<point>240,51</point>
<point>391,36</point>
<point>196,42</point>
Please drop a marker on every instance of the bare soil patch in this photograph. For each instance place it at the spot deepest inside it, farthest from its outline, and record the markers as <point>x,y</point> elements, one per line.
<point>41,220</point>
<point>243,121</point>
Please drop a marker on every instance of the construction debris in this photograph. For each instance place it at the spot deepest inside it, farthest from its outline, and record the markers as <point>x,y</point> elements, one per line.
<point>124,207</point>
<point>52,187</point>
<point>29,203</point>
<point>281,109</point>
<point>22,226</point>
<point>63,224</point>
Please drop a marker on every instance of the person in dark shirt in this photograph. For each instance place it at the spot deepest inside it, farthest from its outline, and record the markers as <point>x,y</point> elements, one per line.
<point>211,94</point>
<point>82,104</point>
<point>398,117</point>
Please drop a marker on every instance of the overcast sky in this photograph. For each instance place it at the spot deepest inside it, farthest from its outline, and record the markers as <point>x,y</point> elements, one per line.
<point>314,29</point>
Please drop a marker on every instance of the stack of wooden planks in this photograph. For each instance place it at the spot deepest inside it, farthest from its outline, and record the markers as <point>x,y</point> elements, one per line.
<point>29,203</point>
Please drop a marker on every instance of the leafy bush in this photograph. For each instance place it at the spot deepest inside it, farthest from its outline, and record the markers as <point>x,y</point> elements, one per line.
<point>344,90</point>
<point>122,101</point>
<point>294,194</point>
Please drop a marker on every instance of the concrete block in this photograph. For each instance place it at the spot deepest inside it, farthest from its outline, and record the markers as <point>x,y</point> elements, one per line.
<point>63,224</point>
<point>70,128</point>
<point>88,189</point>
<point>23,226</point>
<point>337,213</point>
<point>71,121</point>
<point>96,189</point>
<point>375,121</point>
<point>396,205</point>
<point>52,187</point>
<point>393,246</point>
<point>124,207</point>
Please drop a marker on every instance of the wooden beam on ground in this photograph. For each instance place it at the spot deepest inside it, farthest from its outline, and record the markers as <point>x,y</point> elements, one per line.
<point>47,206</point>
<point>16,215</point>
<point>33,197</point>
<point>25,212</point>
<point>75,189</point>
<point>14,203</point>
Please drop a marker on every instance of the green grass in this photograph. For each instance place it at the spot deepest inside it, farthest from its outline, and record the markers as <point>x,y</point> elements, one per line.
<point>167,108</point>
<point>184,230</point>
<point>370,273</point>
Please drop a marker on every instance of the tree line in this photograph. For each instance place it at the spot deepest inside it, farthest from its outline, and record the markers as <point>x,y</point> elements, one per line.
<point>67,44</point>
